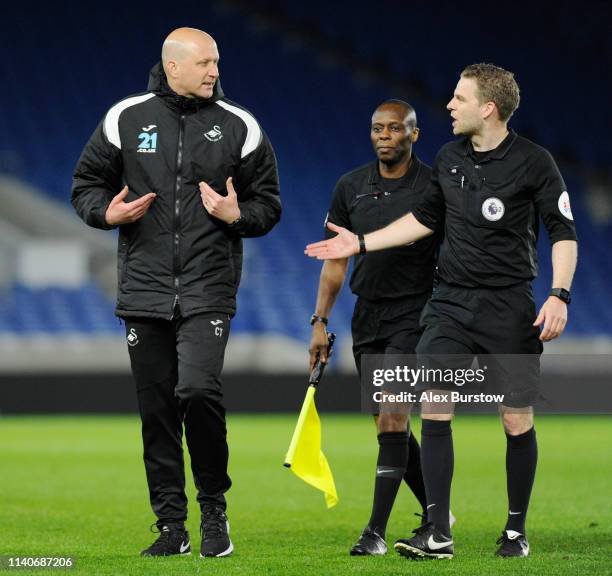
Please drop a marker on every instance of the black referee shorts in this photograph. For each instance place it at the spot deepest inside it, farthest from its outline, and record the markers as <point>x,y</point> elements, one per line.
<point>387,326</point>
<point>382,328</point>
<point>486,321</point>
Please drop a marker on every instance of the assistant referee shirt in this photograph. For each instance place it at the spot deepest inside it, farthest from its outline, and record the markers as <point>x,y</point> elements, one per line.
<point>364,201</point>
<point>489,205</point>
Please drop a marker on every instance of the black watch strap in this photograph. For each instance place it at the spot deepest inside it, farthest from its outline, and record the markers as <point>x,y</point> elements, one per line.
<point>562,294</point>
<point>314,318</point>
<point>362,246</point>
<point>236,222</point>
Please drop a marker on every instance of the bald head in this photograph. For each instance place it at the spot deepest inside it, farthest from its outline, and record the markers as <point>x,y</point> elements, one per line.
<point>393,132</point>
<point>182,41</point>
<point>405,110</point>
<point>190,58</point>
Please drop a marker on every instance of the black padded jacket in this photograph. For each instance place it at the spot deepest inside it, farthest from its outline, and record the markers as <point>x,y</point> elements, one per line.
<point>178,254</point>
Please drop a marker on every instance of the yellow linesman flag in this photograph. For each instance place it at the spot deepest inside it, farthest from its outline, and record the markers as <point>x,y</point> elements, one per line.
<point>305,457</point>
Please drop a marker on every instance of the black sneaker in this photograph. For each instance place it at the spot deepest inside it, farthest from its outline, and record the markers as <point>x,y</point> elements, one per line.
<point>173,539</point>
<point>370,543</point>
<point>427,542</point>
<point>512,543</point>
<point>215,533</point>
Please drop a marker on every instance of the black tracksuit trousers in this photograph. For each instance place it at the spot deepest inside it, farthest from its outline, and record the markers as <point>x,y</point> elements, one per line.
<point>177,366</point>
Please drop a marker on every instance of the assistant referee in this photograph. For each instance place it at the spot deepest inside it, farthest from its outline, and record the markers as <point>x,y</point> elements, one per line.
<point>392,287</point>
<point>489,190</point>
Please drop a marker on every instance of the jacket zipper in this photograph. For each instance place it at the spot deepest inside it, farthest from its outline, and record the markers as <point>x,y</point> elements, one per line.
<point>177,214</point>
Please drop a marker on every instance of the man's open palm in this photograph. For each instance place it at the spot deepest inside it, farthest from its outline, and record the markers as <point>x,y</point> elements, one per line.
<point>121,212</point>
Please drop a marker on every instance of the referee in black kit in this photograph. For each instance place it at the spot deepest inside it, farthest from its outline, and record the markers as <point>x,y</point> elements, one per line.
<point>386,316</point>
<point>489,189</point>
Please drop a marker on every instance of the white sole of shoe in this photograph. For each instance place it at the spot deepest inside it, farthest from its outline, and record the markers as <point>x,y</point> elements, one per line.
<point>227,552</point>
<point>411,552</point>
<point>377,553</point>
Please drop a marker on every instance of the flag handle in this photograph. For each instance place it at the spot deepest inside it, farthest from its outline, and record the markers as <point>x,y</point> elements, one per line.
<point>317,371</point>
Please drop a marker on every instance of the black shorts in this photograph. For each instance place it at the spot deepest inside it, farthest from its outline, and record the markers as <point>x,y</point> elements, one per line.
<point>387,327</point>
<point>470,322</point>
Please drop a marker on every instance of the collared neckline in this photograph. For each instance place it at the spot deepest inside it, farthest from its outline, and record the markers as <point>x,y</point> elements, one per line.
<point>409,179</point>
<point>497,153</point>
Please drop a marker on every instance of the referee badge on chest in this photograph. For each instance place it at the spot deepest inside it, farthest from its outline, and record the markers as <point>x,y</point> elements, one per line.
<point>493,209</point>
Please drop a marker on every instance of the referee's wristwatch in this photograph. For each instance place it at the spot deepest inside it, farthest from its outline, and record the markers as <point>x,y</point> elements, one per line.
<point>562,294</point>
<point>314,318</point>
<point>362,245</point>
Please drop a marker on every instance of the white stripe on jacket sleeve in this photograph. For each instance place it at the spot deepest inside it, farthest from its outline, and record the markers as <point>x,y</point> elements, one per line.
<point>253,137</point>
<point>111,120</point>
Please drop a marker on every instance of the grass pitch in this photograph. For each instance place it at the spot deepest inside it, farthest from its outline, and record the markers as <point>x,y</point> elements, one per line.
<point>75,486</point>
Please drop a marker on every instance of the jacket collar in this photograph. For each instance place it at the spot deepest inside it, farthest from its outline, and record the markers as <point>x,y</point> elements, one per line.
<point>158,84</point>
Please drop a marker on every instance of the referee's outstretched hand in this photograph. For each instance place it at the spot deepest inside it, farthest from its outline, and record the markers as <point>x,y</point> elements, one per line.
<point>121,212</point>
<point>553,315</point>
<point>343,245</point>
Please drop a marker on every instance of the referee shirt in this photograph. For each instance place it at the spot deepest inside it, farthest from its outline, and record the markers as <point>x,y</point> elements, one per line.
<point>364,201</point>
<point>489,205</point>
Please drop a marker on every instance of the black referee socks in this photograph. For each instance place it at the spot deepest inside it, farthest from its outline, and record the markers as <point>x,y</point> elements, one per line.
<point>414,475</point>
<point>437,460</point>
<point>390,469</point>
<point>521,462</point>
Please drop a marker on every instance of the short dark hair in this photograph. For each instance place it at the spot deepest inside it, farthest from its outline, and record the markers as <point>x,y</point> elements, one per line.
<point>409,111</point>
<point>495,85</point>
